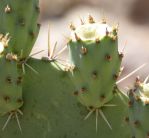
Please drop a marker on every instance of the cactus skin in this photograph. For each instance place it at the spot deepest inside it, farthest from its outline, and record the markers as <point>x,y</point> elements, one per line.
<point>96,63</point>
<point>139,110</point>
<point>10,86</point>
<point>51,110</point>
<point>19,19</point>
<point>45,103</point>
<point>10,79</point>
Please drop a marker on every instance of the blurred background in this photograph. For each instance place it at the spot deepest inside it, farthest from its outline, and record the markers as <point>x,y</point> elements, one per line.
<point>132,16</point>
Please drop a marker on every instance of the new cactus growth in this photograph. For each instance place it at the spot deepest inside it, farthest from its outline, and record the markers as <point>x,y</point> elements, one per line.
<point>47,99</point>
<point>95,62</point>
<point>95,65</point>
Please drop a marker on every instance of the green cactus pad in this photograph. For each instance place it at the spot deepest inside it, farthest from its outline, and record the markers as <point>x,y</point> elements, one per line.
<point>51,111</point>
<point>139,110</point>
<point>10,86</point>
<point>95,63</point>
<point>19,19</point>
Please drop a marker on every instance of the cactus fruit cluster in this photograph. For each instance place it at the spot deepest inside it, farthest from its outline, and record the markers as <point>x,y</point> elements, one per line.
<point>43,98</point>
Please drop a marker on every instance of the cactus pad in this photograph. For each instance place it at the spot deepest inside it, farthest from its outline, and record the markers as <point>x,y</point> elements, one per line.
<point>95,62</point>
<point>139,109</point>
<point>10,86</point>
<point>19,19</point>
<point>51,110</point>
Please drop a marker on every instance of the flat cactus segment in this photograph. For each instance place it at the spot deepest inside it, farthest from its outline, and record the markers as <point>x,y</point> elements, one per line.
<point>139,110</point>
<point>51,111</point>
<point>43,102</point>
<point>96,61</point>
<point>10,87</point>
<point>19,19</point>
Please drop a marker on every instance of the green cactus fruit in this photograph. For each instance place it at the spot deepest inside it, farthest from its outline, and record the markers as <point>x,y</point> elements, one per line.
<point>139,109</point>
<point>51,111</point>
<point>19,19</point>
<point>95,62</point>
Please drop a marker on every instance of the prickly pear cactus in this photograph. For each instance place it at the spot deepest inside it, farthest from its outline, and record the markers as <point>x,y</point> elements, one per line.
<point>18,32</point>
<point>47,99</point>
<point>51,110</point>
<point>139,109</point>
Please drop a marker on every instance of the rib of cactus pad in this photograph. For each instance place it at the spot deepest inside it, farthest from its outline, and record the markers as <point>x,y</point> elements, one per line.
<point>51,110</point>
<point>19,19</point>
<point>10,86</point>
